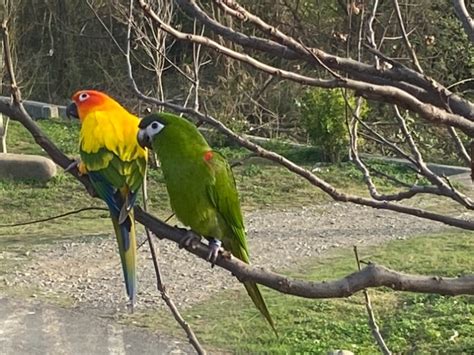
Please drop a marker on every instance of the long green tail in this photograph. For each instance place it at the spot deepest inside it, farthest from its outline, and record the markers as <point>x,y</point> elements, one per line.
<point>127,244</point>
<point>251,287</point>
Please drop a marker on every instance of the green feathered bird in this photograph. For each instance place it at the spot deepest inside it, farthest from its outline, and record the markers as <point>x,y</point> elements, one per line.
<point>201,188</point>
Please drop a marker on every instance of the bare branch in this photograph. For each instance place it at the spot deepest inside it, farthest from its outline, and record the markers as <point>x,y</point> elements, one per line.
<point>372,322</point>
<point>462,152</point>
<point>432,177</point>
<point>161,287</point>
<point>371,32</point>
<point>313,179</point>
<point>411,50</point>
<point>370,91</point>
<point>463,15</point>
<point>370,276</point>
<point>414,83</point>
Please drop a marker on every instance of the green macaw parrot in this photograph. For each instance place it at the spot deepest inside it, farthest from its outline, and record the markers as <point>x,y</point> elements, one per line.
<point>201,188</point>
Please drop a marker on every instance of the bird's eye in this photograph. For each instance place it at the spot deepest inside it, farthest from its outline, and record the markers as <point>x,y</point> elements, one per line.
<point>154,128</point>
<point>83,97</point>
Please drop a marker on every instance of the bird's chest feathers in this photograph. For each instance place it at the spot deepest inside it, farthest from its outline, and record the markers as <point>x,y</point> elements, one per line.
<point>188,179</point>
<point>115,133</point>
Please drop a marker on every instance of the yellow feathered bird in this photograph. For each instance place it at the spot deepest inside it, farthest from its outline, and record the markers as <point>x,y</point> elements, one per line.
<point>115,164</point>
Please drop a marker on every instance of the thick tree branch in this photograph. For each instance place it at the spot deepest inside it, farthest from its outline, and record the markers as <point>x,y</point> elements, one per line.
<point>400,76</point>
<point>370,276</point>
<point>367,90</point>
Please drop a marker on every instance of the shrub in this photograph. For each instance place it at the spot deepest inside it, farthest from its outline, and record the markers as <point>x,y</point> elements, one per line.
<point>323,115</point>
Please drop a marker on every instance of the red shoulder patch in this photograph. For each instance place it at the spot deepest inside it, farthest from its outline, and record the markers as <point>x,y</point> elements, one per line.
<point>208,155</point>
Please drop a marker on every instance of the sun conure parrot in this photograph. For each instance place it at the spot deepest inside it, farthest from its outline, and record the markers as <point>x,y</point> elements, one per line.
<point>201,187</point>
<point>115,164</point>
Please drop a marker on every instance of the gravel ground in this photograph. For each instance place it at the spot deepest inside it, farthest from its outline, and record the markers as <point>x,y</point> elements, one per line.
<point>89,273</point>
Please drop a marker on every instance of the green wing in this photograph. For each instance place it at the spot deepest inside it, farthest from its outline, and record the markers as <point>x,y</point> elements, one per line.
<point>117,172</point>
<point>224,197</point>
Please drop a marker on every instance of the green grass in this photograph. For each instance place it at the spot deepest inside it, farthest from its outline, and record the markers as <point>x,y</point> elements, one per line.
<point>410,323</point>
<point>64,133</point>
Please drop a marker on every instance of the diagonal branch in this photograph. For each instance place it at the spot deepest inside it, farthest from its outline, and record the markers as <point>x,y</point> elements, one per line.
<point>367,90</point>
<point>411,50</point>
<point>420,163</point>
<point>413,82</point>
<point>306,174</point>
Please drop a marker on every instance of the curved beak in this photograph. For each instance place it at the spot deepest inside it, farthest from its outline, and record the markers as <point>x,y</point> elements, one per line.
<point>71,111</point>
<point>144,139</point>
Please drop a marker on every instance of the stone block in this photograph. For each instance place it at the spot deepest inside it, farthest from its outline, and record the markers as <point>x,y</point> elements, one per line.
<point>22,166</point>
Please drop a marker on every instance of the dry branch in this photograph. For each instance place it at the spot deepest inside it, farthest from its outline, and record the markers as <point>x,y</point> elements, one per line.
<point>370,276</point>
<point>390,94</point>
<point>399,76</point>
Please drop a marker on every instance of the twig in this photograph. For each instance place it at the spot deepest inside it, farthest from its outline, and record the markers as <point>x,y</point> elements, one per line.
<point>371,32</point>
<point>159,279</point>
<point>412,191</point>
<point>9,62</point>
<point>462,152</point>
<point>145,241</point>
<point>411,50</point>
<point>460,82</point>
<point>372,322</point>
<point>54,217</point>
<point>420,163</point>
<point>161,287</point>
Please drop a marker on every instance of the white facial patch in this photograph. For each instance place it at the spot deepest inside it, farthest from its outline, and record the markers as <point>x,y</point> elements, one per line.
<point>154,128</point>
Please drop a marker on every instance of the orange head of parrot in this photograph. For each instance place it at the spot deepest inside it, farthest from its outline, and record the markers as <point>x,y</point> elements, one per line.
<point>85,101</point>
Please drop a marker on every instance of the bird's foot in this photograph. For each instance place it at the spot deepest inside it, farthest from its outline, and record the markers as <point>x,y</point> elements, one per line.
<point>188,239</point>
<point>214,248</point>
<point>77,163</point>
<point>74,164</point>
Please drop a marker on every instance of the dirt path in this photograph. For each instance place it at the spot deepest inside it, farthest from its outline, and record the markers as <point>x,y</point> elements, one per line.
<point>87,273</point>
<point>36,328</point>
